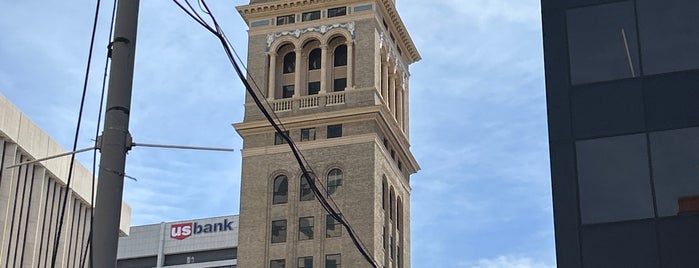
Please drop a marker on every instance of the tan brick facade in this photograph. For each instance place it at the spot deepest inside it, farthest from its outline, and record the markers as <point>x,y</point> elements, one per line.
<point>314,88</point>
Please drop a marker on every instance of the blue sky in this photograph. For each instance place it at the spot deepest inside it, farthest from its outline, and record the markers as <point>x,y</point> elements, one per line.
<point>478,117</point>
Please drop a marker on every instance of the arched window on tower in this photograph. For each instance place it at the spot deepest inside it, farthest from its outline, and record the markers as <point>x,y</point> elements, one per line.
<point>289,63</point>
<point>391,204</point>
<point>384,188</point>
<point>305,192</point>
<point>314,59</point>
<point>281,190</point>
<point>340,56</point>
<point>334,180</point>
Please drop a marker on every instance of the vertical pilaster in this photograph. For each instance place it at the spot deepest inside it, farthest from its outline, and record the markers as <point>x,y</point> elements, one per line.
<point>272,75</point>
<point>324,68</point>
<point>297,72</point>
<point>350,63</point>
<point>392,92</point>
<point>384,81</point>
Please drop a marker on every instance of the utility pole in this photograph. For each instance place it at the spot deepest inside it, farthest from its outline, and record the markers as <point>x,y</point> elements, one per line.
<point>115,141</point>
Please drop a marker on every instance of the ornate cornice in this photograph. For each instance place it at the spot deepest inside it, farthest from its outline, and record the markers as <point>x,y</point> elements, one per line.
<point>322,29</point>
<point>389,8</point>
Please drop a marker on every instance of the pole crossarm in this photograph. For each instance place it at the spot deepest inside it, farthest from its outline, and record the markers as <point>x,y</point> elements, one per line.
<point>51,157</point>
<point>183,147</point>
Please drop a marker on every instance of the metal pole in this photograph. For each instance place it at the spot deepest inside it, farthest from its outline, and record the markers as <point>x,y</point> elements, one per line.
<point>115,137</point>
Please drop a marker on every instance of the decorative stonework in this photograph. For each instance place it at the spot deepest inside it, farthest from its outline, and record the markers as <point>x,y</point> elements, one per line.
<point>321,29</point>
<point>393,53</point>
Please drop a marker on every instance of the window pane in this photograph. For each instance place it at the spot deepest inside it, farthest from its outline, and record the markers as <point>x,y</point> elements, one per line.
<point>313,88</point>
<point>602,43</point>
<point>281,190</point>
<point>277,264</point>
<point>334,181</point>
<point>334,131</point>
<point>340,84</point>
<point>614,179</point>
<point>313,15</point>
<point>340,56</point>
<point>279,139</point>
<point>314,59</point>
<point>287,91</point>
<point>279,231</point>
<point>669,35</point>
<point>675,158</point>
<point>305,193</point>
<point>332,261</point>
<point>333,228</point>
<point>286,19</point>
<point>338,11</point>
<point>305,262</point>
<point>308,134</point>
<point>289,63</point>
<point>306,228</point>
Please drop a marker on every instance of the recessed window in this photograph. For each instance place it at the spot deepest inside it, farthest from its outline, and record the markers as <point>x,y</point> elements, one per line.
<point>383,237</point>
<point>308,134</point>
<point>279,138</point>
<point>334,131</point>
<point>305,262</point>
<point>289,63</point>
<point>675,159</point>
<point>314,59</point>
<point>332,261</point>
<point>340,56</point>
<point>334,180</point>
<point>306,228</point>
<point>279,231</point>
<point>336,12</point>
<point>313,15</point>
<point>339,84</point>
<point>277,264</point>
<point>281,190</point>
<point>333,228</point>
<point>305,192</point>
<point>602,43</point>
<point>287,91</point>
<point>390,248</point>
<point>286,19</point>
<point>313,87</point>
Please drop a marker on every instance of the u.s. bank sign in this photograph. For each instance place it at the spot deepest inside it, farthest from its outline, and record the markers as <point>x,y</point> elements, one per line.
<point>181,231</point>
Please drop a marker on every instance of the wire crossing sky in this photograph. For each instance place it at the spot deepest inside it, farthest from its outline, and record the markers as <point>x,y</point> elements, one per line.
<point>478,117</point>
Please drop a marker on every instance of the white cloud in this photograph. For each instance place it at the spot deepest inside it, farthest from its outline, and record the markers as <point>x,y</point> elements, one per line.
<point>508,262</point>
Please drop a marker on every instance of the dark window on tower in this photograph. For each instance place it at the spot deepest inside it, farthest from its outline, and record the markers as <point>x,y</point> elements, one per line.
<point>332,261</point>
<point>281,190</point>
<point>279,231</point>
<point>305,262</point>
<point>287,91</point>
<point>313,87</point>
<point>306,228</point>
<point>336,12</point>
<point>308,134</point>
<point>602,43</point>
<point>279,139</point>
<point>383,237</point>
<point>305,192</point>
<point>314,59</point>
<point>286,19</point>
<point>334,131</point>
<point>340,84</point>
<point>340,56</point>
<point>277,264</point>
<point>333,228</point>
<point>313,15</point>
<point>334,180</point>
<point>289,63</point>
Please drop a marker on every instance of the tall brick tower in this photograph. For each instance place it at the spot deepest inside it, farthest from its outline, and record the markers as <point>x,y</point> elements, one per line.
<point>336,74</point>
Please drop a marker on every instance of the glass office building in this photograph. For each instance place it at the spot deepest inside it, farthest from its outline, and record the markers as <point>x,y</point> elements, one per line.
<point>622,82</point>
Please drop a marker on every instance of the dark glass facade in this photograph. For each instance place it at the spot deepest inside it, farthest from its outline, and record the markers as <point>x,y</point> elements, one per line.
<point>622,84</point>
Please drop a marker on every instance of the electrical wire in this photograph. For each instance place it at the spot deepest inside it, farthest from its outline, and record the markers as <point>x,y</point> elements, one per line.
<point>218,32</point>
<point>88,251</point>
<point>75,141</point>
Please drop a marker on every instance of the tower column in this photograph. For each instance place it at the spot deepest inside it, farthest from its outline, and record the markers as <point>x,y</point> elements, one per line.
<point>272,75</point>
<point>384,81</point>
<point>392,92</point>
<point>399,106</point>
<point>324,68</point>
<point>350,63</point>
<point>297,72</point>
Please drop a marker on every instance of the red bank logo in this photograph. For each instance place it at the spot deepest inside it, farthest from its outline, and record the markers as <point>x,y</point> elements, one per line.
<point>181,231</point>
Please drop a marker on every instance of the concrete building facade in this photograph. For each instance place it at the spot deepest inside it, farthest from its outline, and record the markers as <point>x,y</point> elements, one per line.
<point>622,84</point>
<point>336,73</point>
<point>210,242</point>
<point>31,198</point>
